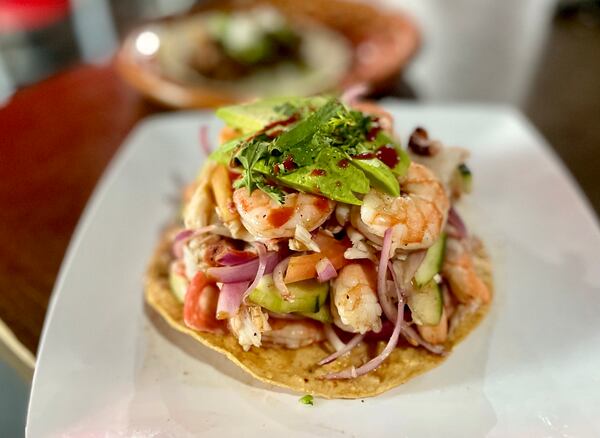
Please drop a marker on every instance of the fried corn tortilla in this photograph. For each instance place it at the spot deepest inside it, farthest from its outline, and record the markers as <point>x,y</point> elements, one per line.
<point>297,369</point>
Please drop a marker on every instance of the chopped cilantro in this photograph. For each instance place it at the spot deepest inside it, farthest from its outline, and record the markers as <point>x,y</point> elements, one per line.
<point>307,400</point>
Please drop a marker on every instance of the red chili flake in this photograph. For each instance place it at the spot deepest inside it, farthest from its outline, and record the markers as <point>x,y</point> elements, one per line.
<point>318,172</point>
<point>275,169</point>
<point>288,163</point>
<point>343,163</point>
<point>388,155</point>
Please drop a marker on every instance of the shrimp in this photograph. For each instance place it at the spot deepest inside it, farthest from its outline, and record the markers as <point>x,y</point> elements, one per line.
<point>200,209</point>
<point>293,333</point>
<point>354,299</point>
<point>459,269</point>
<point>265,218</point>
<point>435,334</point>
<point>417,215</point>
<point>248,325</point>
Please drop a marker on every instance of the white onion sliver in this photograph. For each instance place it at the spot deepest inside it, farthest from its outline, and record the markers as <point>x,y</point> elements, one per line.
<point>262,266</point>
<point>303,236</point>
<point>325,270</point>
<point>332,337</point>
<point>411,265</point>
<point>352,372</point>
<point>386,306</point>
<point>278,275</point>
<point>345,349</point>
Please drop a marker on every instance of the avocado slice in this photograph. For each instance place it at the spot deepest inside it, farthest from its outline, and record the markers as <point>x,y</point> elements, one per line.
<point>250,117</point>
<point>308,296</point>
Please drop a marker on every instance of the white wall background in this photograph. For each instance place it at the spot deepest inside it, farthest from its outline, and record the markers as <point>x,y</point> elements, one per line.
<point>484,50</point>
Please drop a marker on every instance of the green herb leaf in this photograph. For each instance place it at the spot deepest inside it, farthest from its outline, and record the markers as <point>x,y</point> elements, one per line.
<point>298,140</point>
<point>307,400</point>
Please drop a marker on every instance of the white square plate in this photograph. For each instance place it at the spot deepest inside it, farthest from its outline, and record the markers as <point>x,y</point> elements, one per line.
<point>108,366</point>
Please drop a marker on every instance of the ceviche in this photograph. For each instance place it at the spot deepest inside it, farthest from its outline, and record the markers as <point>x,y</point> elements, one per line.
<point>320,254</point>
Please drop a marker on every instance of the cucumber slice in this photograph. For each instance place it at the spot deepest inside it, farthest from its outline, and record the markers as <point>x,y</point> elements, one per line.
<point>323,315</point>
<point>308,296</point>
<point>432,264</point>
<point>178,283</point>
<point>426,304</point>
<point>466,178</point>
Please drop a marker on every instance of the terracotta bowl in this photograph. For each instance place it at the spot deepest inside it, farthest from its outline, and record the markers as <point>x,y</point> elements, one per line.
<point>382,42</point>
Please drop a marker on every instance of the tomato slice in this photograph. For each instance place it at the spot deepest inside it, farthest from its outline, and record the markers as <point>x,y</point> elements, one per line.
<point>200,305</point>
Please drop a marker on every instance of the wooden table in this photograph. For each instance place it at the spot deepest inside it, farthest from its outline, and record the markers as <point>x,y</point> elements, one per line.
<point>57,138</point>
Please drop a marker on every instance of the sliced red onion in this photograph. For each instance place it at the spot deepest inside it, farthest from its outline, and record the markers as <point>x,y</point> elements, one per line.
<point>412,335</point>
<point>184,237</point>
<point>262,266</point>
<point>230,299</point>
<point>325,270</point>
<point>278,275</point>
<point>387,307</point>
<point>352,372</point>
<point>233,257</point>
<point>352,93</point>
<point>244,272</point>
<point>204,141</point>
<point>332,337</point>
<point>456,222</point>
<point>345,349</point>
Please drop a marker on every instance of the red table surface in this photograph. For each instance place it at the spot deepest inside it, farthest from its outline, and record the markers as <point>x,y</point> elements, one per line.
<point>57,138</point>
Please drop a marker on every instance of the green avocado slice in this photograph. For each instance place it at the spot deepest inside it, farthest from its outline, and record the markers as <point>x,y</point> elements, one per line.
<point>250,117</point>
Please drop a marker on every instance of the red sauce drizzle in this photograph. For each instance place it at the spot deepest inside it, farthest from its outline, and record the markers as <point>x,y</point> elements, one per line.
<point>283,122</point>
<point>343,163</point>
<point>322,204</point>
<point>388,155</point>
<point>364,156</point>
<point>234,175</point>
<point>288,163</point>
<point>375,129</point>
<point>318,172</point>
<point>279,216</point>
